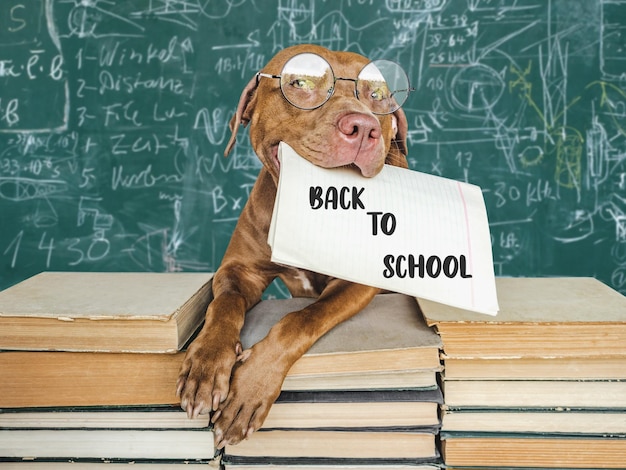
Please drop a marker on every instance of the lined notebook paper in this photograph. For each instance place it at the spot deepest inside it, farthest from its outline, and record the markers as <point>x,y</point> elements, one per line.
<point>405,231</point>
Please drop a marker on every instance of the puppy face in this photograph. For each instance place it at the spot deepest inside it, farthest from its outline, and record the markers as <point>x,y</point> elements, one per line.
<point>343,131</point>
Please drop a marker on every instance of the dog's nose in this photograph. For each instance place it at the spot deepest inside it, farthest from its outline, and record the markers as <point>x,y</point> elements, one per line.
<point>360,128</point>
<point>361,141</point>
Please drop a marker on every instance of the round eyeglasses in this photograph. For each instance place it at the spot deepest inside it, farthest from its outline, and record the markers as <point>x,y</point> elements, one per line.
<point>307,81</point>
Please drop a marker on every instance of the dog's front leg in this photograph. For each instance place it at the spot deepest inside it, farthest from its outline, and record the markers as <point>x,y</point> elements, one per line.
<point>258,377</point>
<point>204,379</point>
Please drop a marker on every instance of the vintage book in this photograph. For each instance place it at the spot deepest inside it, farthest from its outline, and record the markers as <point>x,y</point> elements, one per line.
<point>502,467</point>
<point>530,368</point>
<point>338,409</point>
<point>124,417</point>
<point>533,450</point>
<point>534,394</point>
<point>105,433</point>
<point>539,317</point>
<point>557,421</point>
<point>385,446</point>
<point>308,464</point>
<point>87,379</point>
<point>107,443</point>
<point>418,378</point>
<point>394,349</point>
<point>108,464</point>
<point>145,379</point>
<point>354,409</point>
<point>109,312</point>
<point>386,336</point>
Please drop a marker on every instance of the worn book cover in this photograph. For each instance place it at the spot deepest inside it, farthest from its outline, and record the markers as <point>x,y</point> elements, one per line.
<point>389,334</point>
<point>534,394</point>
<point>107,444</point>
<point>392,409</point>
<point>539,317</point>
<point>560,420</point>
<point>105,433</point>
<point>338,445</point>
<point>532,368</point>
<point>502,450</point>
<point>386,346</point>
<point>108,312</point>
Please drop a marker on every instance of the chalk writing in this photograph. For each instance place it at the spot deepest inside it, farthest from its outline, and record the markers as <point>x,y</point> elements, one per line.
<point>114,117</point>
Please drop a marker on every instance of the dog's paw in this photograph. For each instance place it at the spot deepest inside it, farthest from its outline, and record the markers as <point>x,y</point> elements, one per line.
<point>203,382</point>
<point>255,384</point>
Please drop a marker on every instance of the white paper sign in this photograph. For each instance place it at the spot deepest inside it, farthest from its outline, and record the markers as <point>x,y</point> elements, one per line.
<point>404,231</point>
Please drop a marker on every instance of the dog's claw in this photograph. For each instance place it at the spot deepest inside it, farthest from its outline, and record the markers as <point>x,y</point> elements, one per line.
<point>244,355</point>
<point>203,381</point>
<point>250,396</point>
<point>216,400</point>
<point>196,411</point>
<point>219,439</point>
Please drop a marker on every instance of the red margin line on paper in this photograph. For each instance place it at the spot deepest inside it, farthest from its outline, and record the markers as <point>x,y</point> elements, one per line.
<point>469,239</point>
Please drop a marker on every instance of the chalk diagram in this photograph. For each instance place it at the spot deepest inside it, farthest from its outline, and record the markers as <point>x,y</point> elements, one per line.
<point>95,19</point>
<point>476,88</point>
<point>526,99</point>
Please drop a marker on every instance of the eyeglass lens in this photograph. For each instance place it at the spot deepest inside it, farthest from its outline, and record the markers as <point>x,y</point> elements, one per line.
<point>307,82</point>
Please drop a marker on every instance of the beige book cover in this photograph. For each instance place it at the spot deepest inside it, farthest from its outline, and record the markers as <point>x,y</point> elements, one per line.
<point>539,317</point>
<point>540,300</point>
<point>389,334</point>
<point>109,312</point>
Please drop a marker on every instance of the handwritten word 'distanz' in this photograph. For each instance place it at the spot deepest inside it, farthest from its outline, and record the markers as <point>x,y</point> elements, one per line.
<point>400,266</point>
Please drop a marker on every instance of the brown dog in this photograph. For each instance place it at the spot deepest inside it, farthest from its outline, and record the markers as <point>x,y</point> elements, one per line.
<point>240,387</point>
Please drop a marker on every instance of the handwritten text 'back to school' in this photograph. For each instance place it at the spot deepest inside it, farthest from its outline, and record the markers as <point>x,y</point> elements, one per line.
<point>401,266</point>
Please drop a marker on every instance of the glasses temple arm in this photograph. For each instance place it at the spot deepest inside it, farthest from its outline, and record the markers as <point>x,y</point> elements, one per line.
<point>407,90</point>
<point>266,75</point>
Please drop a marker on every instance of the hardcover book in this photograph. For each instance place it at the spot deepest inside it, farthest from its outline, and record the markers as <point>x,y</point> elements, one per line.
<point>105,433</point>
<point>108,312</point>
<point>386,346</point>
<point>539,317</point>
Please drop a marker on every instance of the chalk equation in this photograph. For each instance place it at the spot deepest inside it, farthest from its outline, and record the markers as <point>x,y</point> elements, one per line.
<point>114,117</point>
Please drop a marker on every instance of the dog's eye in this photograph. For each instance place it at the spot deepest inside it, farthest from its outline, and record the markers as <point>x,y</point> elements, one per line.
<point>378,94</point>
<point>303,84</point>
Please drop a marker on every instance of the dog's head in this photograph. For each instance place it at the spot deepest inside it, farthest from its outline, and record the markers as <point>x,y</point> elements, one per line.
<point>341,131</point>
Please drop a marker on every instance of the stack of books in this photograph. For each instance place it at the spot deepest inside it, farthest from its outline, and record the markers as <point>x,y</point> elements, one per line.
<point>542,384</point>
<point>365,395</point>
<point>89,365</point>
<point>88,368</point>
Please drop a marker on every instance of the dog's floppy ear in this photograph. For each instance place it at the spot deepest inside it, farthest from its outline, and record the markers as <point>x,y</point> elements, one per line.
<point>398,149</point>
<point>242,115</point>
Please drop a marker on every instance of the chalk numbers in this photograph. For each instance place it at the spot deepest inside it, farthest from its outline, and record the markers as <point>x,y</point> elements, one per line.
<point>72,252</point>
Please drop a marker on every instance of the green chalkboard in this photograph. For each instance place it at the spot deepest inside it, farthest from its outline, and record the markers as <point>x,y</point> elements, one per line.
<point>114,117</point>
